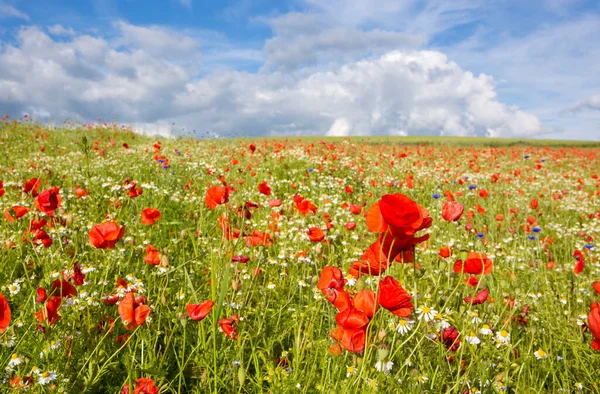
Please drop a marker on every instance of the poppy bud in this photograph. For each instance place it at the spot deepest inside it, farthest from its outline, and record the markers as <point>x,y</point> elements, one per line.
<point>236,285</point>
<point>360,284</point>
<point>183,234</point>
<point>164,261</point>
<point>381,334</point>
<point>69,220</point>
<point>382,352</point>
<point>241,375</point>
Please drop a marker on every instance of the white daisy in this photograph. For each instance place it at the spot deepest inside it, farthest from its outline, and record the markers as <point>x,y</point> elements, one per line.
<point>383,366</point>
<point>426,313</point>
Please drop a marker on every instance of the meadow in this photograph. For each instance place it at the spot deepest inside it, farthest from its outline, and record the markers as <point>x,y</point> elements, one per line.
<point>133,264</point>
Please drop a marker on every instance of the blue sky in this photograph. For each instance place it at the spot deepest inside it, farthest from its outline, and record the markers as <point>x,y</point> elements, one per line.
<point>502,68</point>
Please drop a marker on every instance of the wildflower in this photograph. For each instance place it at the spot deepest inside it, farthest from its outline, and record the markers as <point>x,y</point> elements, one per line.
<point>384,366</point>
<point>426,313</point>
<point>502,337</point>
<point>150,216</point>
<point>4,314</point>
<point>105,235</point>
<point>473,339</point>
<point>46,377</point>
<point>14,361</point>
<point>404,326</point>
<point>540,354</point>
<point>132,312</point>
<point>350,370</point>
<point>198,312</point>
<point>394,298</point>
<point>485,330</point>
<point>421,379</point>
<point>452,211</point>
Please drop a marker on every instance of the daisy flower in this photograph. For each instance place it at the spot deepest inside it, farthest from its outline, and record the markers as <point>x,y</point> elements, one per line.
<point>426,313</point>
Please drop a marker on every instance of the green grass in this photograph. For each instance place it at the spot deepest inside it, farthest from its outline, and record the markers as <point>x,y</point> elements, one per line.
<point>283,343</point>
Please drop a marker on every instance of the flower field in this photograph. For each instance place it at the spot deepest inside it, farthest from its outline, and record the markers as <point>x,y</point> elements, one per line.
<point>132,264</point>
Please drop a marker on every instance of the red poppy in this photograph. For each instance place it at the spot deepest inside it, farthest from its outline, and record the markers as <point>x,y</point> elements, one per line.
<point>240,259</point>
<point>263,188</point>
<point>252,148</point>
<point>152,255</point>
<point>258,238</point>
<point>596,286</point>
<point>355,209</point>
<point>32,186</point>
<point>352,318</point>
<point>594,324</point>
<point>78,275</point>
<point>472,281</point>
<point>275,203</point>
<point>366,301</point>
<point>351,330</point>
<point>105,235</point>
<point>50,311</point>
<point>534,204</point>
<point>305,207</point>
<point>315,234</point>
<point>445,252</point>
<point>63,288</point>
<point>14,213</point>
<point>38,237</point>
<point>216,195</point>
<point>339,298</point>
<point>400,212</point>
<point>476,264</point>
<point>4,314</point>
<point>1,188</point>
<point>451,338</point>
<point>452,211</point>
<point>48,201</point>
<point>132,314</point>
<point>80,192</point>
<point>350,226</point>
<point>479,298</point>
<point>150,216</point>
<point>198,312</point>
<point>580,265</point>
<point>227,326</point>
<point>145,386</point>
<point>42,296</point>
<point>331,278</point>
<point>394,298</point>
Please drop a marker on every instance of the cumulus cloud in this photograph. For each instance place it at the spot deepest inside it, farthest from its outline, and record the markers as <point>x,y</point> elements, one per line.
<point>60,30</point>
<point>591,103</point>
<point>8,11</point>
<point>147,76</point>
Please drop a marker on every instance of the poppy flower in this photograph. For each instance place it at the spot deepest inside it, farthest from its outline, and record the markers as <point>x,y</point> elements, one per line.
<point>240,259</point>
<point>400,212</point>
<point>216,195</point>
<point>78,275</point>
<point>15,213</point>
<point>355,209</point>
<point>32,186</point>
<point>38,237</point>
<point>305,207</point>
<point>445,252</point>
<point>451,338</point>
<point>132,314</point>
<point>152,255</point>
<point>4,314</point>
<point>150,216</point>
<point>42,296</point>
<point>479,298</point>
<point>350,226</point>
<point>394,298</point>
<point>339,298</point>
<point>50,311</point>
<point>252,148</point>
<point>275,203</point>
<point>352,318</point>
<point>145,386</point>
<point>366,301</point>
<point>227,326</point>
<point>594,324</point>
<point>315,234</point>
<point>63,288</point>
<point>1,188</point>
<point>596,286</point>
<point>198,312</point>
<point>352,329</point>
<point>331,278</point>
<point>80,192</point>
<point>48,201</point>
<point>258,238</point>
<point>534,204</point>
<point>580,265</point>
<point>452,211</point>
<point>476,264</point>
<point>263,188</point>
<point>105,235</point>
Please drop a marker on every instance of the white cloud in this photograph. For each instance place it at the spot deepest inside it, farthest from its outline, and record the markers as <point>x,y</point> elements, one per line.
<point>8,11</point>
<point>147,76</point>
<point>591,103</point>
<point>60,30</point>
